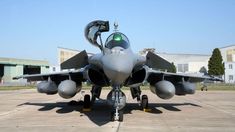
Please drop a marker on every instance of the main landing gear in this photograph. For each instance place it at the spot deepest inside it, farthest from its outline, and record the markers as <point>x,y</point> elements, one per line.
<point>95,92</point>
<point>143,101</point>
<point>88,101</point>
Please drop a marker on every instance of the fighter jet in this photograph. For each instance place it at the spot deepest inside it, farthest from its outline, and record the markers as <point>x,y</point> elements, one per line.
<point>115,67</point>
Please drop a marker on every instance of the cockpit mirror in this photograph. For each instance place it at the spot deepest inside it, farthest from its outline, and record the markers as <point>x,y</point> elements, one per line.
<point>94,29</point>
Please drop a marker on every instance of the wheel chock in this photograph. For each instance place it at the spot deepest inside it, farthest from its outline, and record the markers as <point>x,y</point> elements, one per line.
<point>147,110</point>
<point>86,109</point>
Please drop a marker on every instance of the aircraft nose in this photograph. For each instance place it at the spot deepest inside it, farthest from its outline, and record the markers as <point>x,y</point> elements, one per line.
<point>117,67</point>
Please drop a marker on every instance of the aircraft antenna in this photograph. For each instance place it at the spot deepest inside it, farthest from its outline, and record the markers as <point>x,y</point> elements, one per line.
<point>115,26</point>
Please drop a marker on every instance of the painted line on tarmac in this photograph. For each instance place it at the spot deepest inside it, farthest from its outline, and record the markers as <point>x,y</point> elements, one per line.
<point>116,126</point>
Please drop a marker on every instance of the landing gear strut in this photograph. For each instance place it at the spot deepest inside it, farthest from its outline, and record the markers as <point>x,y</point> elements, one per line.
<point>95,92</point>
<point>118,100</point>
<point>135,93</point>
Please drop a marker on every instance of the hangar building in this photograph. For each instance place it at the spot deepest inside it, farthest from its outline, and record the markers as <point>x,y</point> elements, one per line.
<point>66,53</point>
<point>187,63</point>
<point>184,63</point>
<point>11,67</point>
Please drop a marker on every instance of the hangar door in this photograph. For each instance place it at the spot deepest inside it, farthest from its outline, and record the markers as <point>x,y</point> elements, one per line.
<point>32,69</point>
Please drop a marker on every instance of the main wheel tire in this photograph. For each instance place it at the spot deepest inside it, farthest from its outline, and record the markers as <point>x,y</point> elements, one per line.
<point>144,102</point>
<point>112,116</point>
<point>121,115</point>
<point>87,101</point>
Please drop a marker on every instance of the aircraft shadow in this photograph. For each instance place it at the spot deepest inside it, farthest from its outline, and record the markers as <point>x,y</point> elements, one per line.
<point>100,114</point>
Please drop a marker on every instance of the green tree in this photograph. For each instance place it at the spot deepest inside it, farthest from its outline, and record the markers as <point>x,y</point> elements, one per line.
<point>215,64</point>
<point>203,70</point>
<point>173,68</point>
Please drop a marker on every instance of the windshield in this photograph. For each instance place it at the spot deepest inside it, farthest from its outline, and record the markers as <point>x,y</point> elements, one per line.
<point>117,39</point>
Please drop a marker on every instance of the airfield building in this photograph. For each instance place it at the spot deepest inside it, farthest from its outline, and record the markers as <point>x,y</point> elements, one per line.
<point>187,63</point>
<point>66,53</point>
<point>196,63</point>
<point>184,63</point>
<point>11,67</point>
<point>228,54</point>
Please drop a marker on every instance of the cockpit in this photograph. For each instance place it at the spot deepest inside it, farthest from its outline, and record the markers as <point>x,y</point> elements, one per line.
<point>117,39</point>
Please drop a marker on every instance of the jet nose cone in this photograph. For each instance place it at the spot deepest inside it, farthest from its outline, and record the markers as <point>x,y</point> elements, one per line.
<point>117,68</point>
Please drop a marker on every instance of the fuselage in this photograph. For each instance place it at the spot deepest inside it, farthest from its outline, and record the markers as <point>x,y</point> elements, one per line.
<point>117,60</point>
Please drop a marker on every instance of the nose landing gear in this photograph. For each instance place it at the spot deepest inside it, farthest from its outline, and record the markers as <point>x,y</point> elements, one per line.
<point>117,100</point>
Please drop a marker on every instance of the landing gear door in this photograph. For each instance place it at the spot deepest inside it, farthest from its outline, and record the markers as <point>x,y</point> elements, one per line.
<point>94,29</point>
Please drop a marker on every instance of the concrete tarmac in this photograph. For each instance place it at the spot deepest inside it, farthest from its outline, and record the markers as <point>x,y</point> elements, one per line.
<point>29,111</point>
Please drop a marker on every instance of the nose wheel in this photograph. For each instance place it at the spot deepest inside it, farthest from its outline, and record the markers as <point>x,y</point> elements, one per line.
<point>118,117</point>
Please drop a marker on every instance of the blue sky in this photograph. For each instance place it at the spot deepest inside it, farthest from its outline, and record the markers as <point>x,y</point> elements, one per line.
<point>33,29</point>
